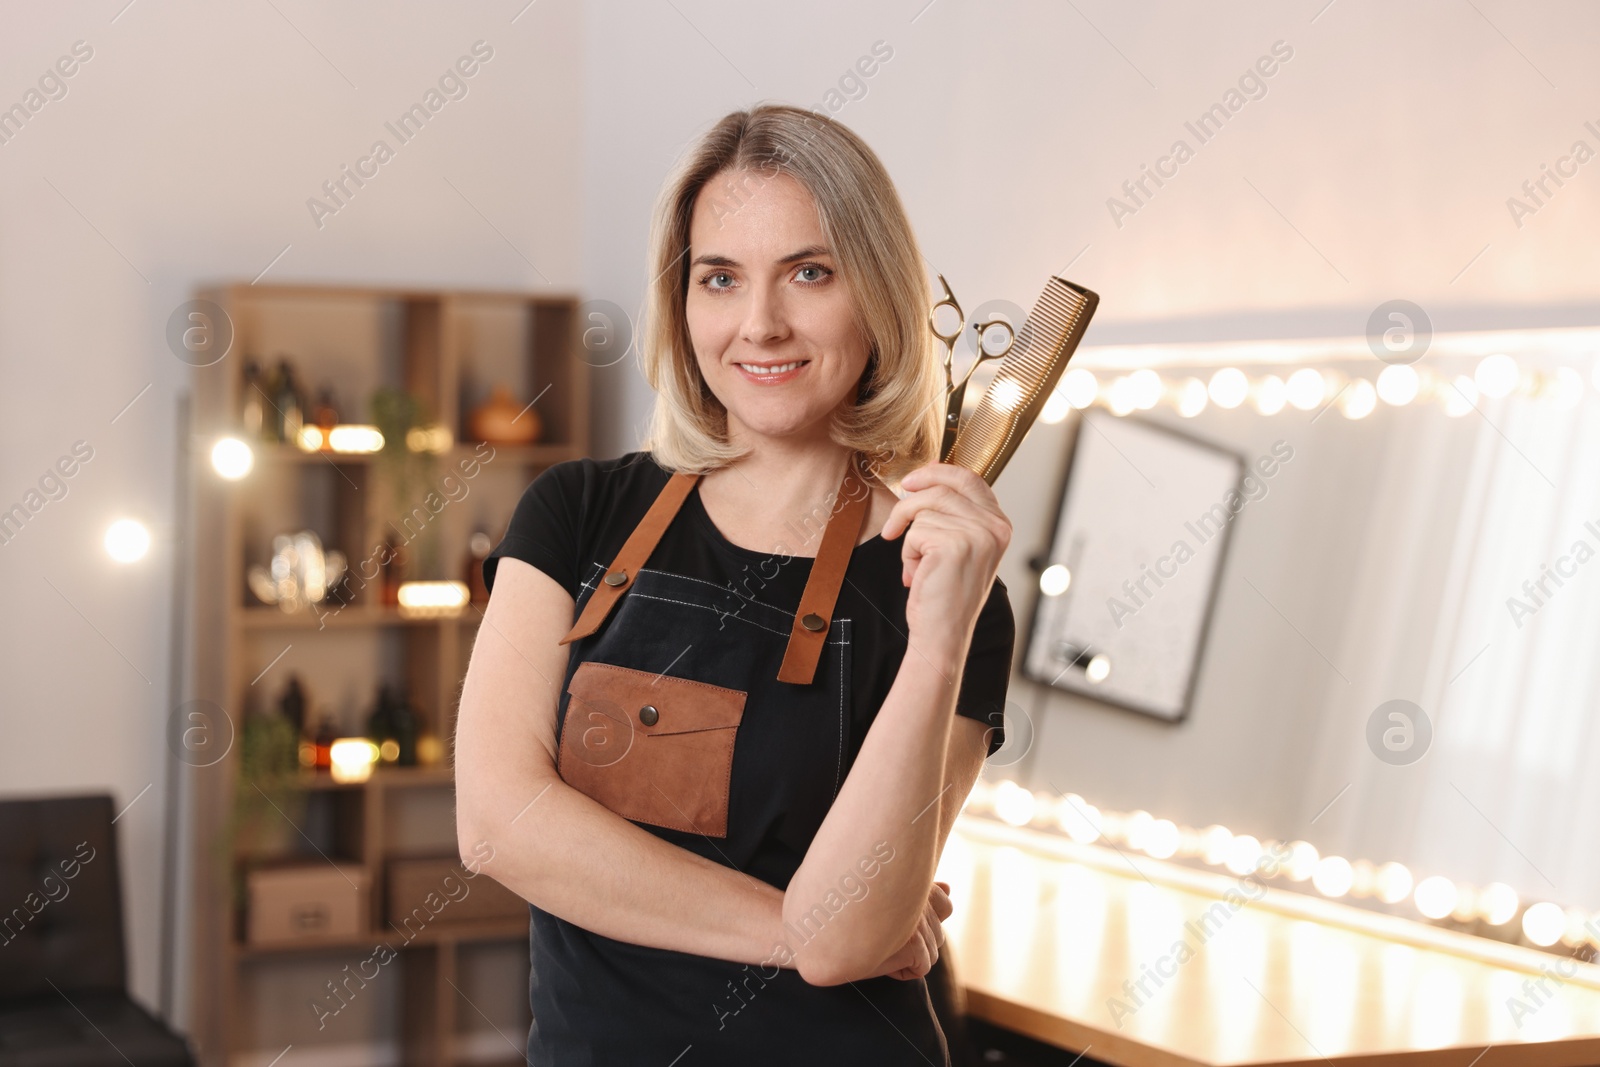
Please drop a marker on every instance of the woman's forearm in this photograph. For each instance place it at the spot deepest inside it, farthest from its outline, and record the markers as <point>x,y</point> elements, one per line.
<point>555,846</point>
<point>889,806</point>
<point>578,860</point>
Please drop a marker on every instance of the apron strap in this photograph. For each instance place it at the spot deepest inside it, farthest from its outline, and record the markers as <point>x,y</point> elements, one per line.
<point>811,620</point>
<point>634,554</point>
<point>809,633</point>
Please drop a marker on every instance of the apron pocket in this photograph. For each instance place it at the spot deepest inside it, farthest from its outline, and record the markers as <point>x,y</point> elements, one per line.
<point>650,747</point>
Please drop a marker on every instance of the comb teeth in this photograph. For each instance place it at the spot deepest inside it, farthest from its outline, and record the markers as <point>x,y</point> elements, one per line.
<point>1026,378</point>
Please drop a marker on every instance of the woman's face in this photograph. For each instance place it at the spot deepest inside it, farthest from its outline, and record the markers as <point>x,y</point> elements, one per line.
<point>764,293</point>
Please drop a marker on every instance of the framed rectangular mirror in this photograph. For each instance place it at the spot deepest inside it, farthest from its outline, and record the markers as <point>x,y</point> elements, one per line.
<point>1140,536</point>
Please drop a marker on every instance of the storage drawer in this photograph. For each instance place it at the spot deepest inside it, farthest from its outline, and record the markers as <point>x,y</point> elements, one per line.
<point>307,903</point>
<point>424,890</point>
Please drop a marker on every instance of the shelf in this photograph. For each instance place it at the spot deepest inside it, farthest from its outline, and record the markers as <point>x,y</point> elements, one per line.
<point>388,777</point>
<point>353,617</point>
<point>449,350</point>
<point>437,933</point>
<point>536,455</point>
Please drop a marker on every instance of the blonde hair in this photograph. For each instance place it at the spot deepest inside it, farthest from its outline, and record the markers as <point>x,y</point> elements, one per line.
<point>897,421</point>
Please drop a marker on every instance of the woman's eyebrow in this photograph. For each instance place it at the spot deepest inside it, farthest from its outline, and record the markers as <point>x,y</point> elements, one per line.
<point>713,260</point>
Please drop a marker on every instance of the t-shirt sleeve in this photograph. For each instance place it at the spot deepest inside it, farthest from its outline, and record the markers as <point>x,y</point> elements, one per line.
<point>987,674</point>
<point>544,528</point>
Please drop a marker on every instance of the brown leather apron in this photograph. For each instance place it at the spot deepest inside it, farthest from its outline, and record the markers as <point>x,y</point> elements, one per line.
<point>666,701</point>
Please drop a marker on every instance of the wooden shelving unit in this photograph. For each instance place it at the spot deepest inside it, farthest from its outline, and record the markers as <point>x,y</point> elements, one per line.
<point>449,349</point>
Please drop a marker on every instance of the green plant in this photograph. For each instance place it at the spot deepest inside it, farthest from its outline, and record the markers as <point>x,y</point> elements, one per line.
<point>406,471</point>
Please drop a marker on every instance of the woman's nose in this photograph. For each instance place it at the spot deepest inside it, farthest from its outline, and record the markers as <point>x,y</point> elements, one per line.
<point>764,320</point>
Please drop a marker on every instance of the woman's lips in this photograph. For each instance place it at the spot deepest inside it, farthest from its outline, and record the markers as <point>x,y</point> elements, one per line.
<point>774,378</point>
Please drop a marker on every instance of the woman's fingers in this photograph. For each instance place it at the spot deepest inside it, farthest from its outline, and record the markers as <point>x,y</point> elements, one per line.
<point>940,899</point>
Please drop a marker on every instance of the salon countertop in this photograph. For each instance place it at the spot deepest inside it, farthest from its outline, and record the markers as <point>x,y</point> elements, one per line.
<point>1046,931</point>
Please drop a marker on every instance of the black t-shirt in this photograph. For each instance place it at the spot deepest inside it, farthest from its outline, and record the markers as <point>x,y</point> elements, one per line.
<point>573,519</point>
<point>597,1000</point>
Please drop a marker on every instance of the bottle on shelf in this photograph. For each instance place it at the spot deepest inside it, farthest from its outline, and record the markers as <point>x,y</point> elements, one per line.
<point>327,733</point>
<point>380,727</point>
<point>404,721</point>
<point>290,403</point>
<point>253,406</point>
<point>326,413</point>
<point>292,704</point>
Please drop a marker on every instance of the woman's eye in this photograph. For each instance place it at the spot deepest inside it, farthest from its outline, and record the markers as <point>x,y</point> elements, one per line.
<point>819,273</point>
<point>710,279</point>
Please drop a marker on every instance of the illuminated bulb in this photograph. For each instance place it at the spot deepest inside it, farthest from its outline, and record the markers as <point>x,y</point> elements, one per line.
<point>1079,387</point>
<point>1055,580</point>
<point>1393,883</point>
<point>1271,394</point>
<point>1497,375</point>
<point>351,758</point>
<point>1303,860</point>
<point>1192,397</point>
<point>1358,400</point>
<point>1398,384</point>
<point>1435,897</point>
<point>1214,842</point>
<point>1121,399</point>
<point>1161,839</point>
<point>231,458</point>
<point>1363,876</point>
<point>1305,388</point>
<point>1138,822</point>
<point>1079,819</point>
<point>434,439</point>
<point>433,597</point>
<point>1055,408</point>
<point>1005,393</point>
<point>127,541</point>
<point>1544,923</point>
<point>1146,386</point>
<point>1564,388</point>
<point>1461,397</point>
<point>309,438</point>
<point>1333,876</point>
<point>1244,853</point>
<point>1099,669</point>
<point>1498,903</point>
<point>1013,804</point>
<point>1229,387</point>
<point>389,751</point>
<point>355,439</point>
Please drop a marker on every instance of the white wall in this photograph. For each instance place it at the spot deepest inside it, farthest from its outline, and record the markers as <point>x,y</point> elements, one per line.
<point>184,153</point>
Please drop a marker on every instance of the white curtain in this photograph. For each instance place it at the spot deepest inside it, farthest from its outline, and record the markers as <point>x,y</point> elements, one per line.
<point>1467,510</point>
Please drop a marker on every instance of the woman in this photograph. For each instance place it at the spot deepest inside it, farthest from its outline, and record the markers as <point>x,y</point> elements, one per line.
<point>725,787</point>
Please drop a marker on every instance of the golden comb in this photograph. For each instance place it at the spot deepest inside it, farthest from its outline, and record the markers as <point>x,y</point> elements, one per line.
<point>1031,364</point>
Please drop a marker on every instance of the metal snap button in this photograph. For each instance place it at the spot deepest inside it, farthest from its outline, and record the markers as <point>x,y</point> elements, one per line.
<point>814,622</point>
<point>648,715</point>
<point>616,578</point>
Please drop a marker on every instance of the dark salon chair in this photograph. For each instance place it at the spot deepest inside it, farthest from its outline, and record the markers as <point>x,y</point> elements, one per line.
<point>63,968</point>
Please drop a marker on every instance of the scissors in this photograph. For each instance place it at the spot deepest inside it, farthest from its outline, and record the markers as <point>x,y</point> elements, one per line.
<point>956,392</point>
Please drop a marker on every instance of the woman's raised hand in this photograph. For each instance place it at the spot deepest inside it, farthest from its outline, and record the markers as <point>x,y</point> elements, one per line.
<point>951,551</point>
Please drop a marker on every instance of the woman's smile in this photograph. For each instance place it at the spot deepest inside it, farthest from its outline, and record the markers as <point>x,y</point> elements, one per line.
<point>769,374</point>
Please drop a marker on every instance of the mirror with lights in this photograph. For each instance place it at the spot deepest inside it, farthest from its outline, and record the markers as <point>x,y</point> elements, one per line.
<point>1386,672</point>
<point>1140,503</point>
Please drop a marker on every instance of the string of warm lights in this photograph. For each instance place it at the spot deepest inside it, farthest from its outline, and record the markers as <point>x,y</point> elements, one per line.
<point>1308,388</point>
<point>1485,910</point>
